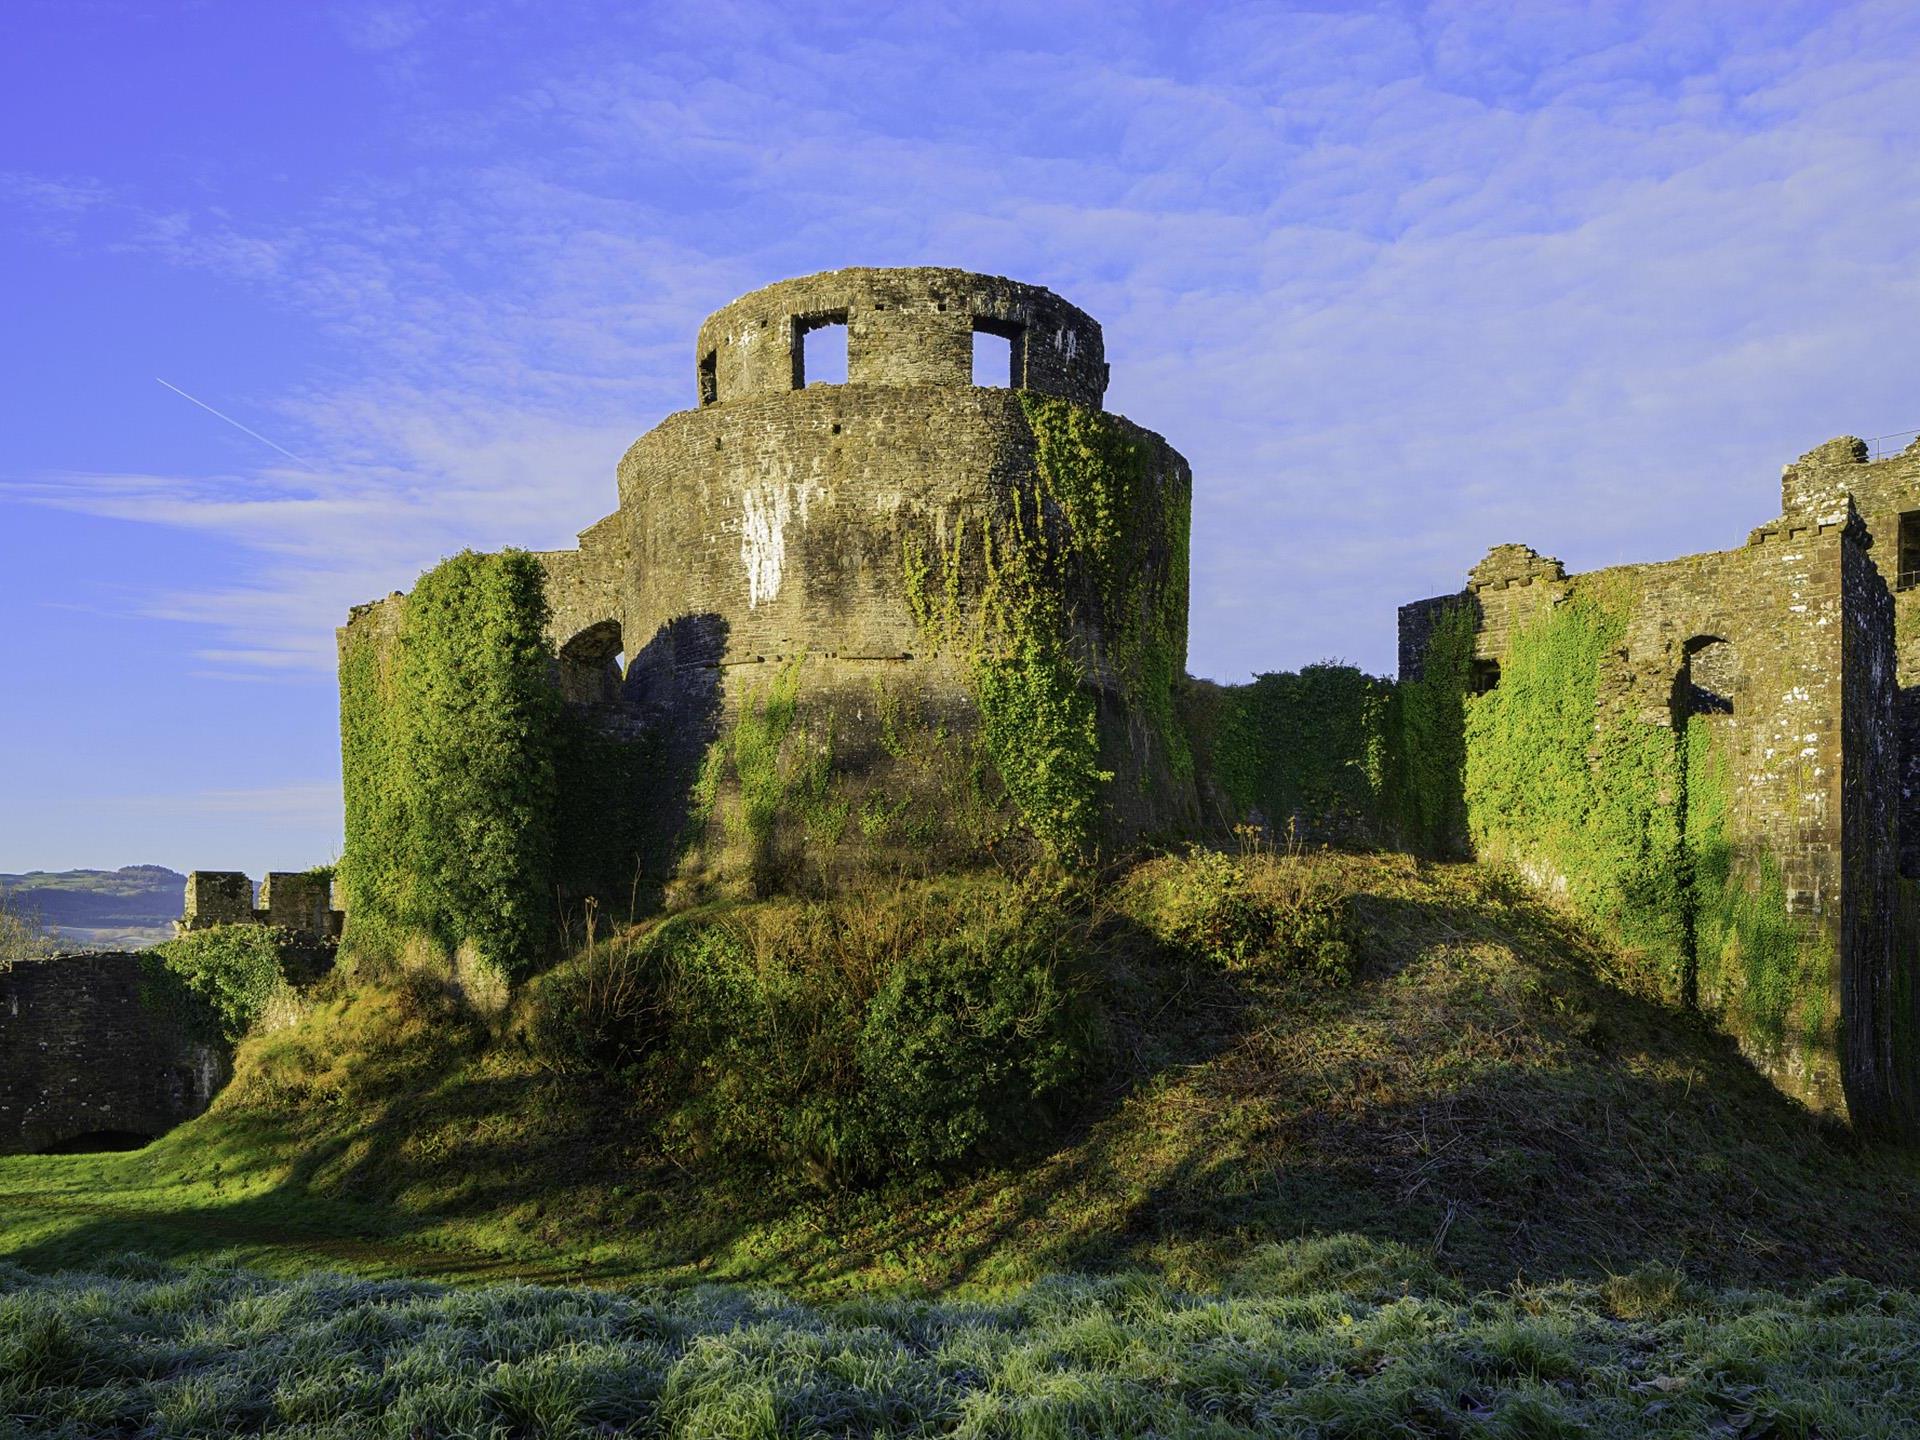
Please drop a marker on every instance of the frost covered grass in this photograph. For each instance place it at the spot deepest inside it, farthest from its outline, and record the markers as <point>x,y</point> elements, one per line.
<point>1333,1337</point>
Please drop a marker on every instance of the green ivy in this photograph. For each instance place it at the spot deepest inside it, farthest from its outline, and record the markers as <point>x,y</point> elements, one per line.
<point>1631,819</point>
<point>1581,796</point>
<point>449,728</point>
<point>231,970</point>
<point>1309,752</point>
<point>1130,530</point>
<point>1039,726</point>
<point>1096,547</point>
<point>1427,753</point>
<point>1759,970</point>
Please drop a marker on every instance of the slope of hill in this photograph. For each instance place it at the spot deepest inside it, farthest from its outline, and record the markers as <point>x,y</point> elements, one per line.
<point>133,906</point>
<point>1479,1091</point>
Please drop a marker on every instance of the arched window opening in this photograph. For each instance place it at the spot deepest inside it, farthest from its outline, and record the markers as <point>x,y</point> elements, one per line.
<point>592,665</point>
<point>1708,677</point>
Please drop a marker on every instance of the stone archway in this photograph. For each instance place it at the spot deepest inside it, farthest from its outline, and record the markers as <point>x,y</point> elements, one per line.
<point>592,665</point>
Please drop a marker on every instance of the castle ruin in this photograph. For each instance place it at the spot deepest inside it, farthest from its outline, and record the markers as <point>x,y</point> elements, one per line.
<point>1794,660</point>
<point>842,557</point>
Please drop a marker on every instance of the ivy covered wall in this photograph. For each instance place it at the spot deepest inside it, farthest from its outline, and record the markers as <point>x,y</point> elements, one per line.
<point>449,725</point>
<point>1066,612</point>
<point>1687,754</point>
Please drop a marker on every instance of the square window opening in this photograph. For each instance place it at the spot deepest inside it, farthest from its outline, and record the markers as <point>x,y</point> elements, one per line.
<point>1485,676</point>
<point>1907,563</point>
<point>820,349</point>
<point>999,353</point>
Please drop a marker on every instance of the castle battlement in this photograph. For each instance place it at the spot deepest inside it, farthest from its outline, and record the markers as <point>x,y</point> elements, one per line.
<point>903,327</point>
<point>297,901</point>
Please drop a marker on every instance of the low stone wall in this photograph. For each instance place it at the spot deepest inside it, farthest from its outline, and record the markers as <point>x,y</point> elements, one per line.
<point>83,1058</point>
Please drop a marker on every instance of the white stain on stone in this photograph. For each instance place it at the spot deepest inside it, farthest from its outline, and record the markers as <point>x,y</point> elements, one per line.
<point>766,510</point>
<point>764,513</point>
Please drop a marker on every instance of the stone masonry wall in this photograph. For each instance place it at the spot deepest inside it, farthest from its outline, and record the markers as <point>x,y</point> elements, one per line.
<point>81,1055</point>
<point>1822,482</point>
<point>1879,1000</point>
<point>1798,630</point>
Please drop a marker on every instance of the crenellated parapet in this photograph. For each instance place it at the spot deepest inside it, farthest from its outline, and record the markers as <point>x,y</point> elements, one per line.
<point>300,902</point>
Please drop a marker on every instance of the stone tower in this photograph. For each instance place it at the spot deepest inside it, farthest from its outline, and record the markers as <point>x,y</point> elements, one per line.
<point>892,622</point>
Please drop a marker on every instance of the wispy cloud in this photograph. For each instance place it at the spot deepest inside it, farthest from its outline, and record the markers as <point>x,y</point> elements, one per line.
<point>286,805</point>
<point>1402,282</point>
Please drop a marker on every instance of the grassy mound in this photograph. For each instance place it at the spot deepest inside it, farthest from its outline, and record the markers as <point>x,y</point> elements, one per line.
<point>1323,1339</point>
<point>1287,1049</point>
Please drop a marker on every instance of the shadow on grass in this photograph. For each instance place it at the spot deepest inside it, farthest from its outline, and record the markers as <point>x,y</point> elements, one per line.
<point>1477,1092</point>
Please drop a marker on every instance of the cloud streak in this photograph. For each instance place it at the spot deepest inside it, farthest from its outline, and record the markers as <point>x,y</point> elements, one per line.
<point>1402,282</point>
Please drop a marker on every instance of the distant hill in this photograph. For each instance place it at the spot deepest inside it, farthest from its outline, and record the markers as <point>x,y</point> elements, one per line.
<point>134,905</point>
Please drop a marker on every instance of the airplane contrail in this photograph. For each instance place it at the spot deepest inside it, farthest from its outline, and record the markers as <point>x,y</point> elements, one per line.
<point>238,426</point>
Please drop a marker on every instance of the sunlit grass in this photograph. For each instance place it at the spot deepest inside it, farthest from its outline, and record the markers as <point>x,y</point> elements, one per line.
<point>1336,1337</point>
<point>1477,1091</point>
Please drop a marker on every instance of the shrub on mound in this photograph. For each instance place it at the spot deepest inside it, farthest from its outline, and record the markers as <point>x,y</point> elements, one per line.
<point>233,971</point>
<point>1268,911</point>
<point>858,1039</point>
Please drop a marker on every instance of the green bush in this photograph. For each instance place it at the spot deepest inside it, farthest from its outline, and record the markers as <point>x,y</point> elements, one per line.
<point>858,1039</point>
<point>601,1013</point>
<point>1278,912</point>
<point>1208,909</point>
<point>234,969</point>
<point>969,1042</point>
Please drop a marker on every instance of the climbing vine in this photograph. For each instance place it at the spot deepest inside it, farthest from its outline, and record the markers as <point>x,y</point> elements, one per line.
<point>1427,749</point>
<point>1129,527</point>
<point>1754,966</point>
<point>1631,820</point>
<point>1308,753</point>
<point>1085,571</point>
<point>1583,798</point>
<point>449,723</point>
<point>1038,722</point>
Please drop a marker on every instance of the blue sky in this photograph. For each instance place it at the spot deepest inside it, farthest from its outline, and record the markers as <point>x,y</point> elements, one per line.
<point>1401,280</point>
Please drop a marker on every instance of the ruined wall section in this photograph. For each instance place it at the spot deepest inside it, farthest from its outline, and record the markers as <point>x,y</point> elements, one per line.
<point>775,531</point>
<point>86,1056</point>
<point>1820,483</point>
<point>1783,651</point>
<point>1880,979</point>
<point>586,586</point>
<point>908,326</point>
<point>1774,613</point>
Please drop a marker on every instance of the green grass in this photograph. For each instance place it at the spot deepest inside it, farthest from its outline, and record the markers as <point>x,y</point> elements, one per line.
<point>1477,1091</point>
<point>1326,1338</point>
<point>1456,1184</point>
